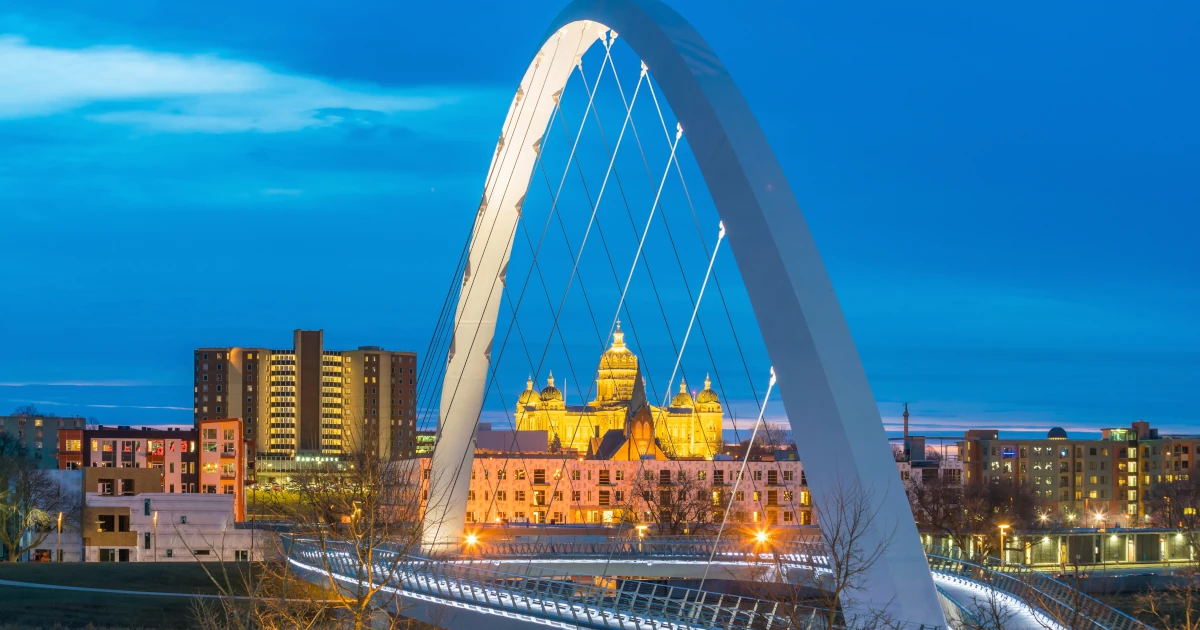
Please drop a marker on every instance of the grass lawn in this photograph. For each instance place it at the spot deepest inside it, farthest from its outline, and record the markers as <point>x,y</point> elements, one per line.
<point>22,607</point>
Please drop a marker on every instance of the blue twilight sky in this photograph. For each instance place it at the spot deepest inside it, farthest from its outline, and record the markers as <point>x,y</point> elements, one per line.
<point>1006,197</point>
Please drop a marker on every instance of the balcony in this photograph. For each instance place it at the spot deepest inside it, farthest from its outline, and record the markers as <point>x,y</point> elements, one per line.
<point>230,454</point>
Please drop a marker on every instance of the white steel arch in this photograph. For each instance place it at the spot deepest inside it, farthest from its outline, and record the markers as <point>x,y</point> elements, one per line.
<point>820,377</point>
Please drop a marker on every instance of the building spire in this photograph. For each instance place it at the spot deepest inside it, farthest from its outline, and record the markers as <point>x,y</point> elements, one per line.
<point>550,379</point>
<point>618,341</point>
<point>529,384</point>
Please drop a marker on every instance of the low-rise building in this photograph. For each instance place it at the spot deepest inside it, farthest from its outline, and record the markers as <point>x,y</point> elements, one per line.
<point>39,435</point>
<point>128,518</point>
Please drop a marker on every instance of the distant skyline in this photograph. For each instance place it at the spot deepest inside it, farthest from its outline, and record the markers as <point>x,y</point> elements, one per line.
<point>1005,200</point>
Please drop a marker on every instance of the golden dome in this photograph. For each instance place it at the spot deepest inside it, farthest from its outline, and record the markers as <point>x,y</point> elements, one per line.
<point>618,356</point>
<point>683,398</point>
<point>550,393</point>
<point>707,395</point>
<point>529,396</point>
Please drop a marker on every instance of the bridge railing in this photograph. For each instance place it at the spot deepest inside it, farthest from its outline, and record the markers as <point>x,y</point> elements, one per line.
<point>1065,605</point>
<point>957,614</point>
<point>693,548</point>
<point>603,603</point>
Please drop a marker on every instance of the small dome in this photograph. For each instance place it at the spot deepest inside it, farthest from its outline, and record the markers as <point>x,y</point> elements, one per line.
<point>550,393</point>
<point>707,396</point>
<point>529,396</point>
<point>683,398</point>
<point>1057,433</point>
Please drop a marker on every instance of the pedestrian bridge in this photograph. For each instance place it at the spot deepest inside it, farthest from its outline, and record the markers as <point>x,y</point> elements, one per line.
<point>577,585</point>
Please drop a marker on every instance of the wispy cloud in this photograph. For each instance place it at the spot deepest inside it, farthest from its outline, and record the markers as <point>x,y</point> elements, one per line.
<point>117,383</point>
<point>187,93</point>
<point>54,403</point>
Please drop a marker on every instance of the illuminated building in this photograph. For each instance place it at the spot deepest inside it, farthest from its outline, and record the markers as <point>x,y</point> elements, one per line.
<point>1077,479</point>
<point>309,400</point>
<point>687,428</point>
<point>40,435</point>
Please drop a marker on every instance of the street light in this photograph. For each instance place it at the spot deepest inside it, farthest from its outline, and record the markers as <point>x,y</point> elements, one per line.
<point>1002,530</point>
<point>60,537</point>
<point>156,535</point>
<point>761,536</point>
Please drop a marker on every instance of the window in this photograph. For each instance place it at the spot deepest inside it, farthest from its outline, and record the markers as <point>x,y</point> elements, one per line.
<point>107,523</point>
<point>146,540</point>
<point>520,495</point>
<point>183,520</point>
<point>605,498</point>
<point>108,555</point>
<point>210,447</point>
<point>520,475</point>
<point>758,475</point>
<point>575,495</point>
<point>620,475</point>
<point>501,495</point>
<point>604,478</point>
<point>242,555</point>
<point>574,475</point>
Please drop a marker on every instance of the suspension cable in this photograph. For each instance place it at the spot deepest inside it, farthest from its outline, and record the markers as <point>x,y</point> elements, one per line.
<point>738,481</point>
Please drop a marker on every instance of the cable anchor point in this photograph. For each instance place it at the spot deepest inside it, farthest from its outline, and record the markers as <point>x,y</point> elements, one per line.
<point>678,130</point>
<point>721,233</point>
<point>772,384</point>
<point>645,69</point>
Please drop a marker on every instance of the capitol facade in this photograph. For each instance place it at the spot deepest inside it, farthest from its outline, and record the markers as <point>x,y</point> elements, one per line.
<point>690,427</point>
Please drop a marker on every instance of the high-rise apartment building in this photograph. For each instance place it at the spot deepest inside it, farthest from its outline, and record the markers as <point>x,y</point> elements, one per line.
<point>310,401</point>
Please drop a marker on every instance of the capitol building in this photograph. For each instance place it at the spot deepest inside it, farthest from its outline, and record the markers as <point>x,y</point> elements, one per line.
<point>688,428</point>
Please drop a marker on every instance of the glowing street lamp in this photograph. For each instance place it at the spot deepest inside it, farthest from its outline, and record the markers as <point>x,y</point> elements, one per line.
<point>761,536</point>
<point>59,559</point>
<point>472,540</point>
<point>1003,528</point>
<point>641,531</point>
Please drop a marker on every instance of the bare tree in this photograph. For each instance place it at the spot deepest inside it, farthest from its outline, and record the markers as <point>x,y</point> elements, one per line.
<point>679,505</point>
<point>30,501</point>
<point>27,410</point>
<point>992,611</point>
<point>361,515</point>
<point>852,539</point>
<point>972,512</point>
<point>1176,505</point>
<point>1175,608</point>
